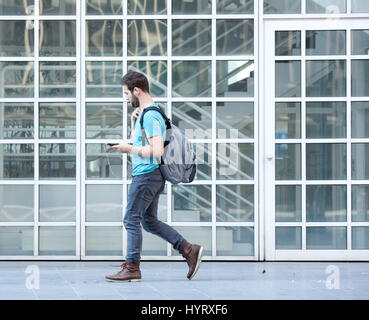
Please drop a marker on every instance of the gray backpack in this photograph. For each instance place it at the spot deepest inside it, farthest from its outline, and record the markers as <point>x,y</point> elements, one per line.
<point>177,164</point>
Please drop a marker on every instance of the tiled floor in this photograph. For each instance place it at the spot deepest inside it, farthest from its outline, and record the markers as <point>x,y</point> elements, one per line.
<point>167,281</point>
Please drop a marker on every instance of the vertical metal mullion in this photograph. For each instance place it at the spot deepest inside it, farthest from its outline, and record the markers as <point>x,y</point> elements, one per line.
<point>214,121</point>
<point>82,131</point>
<point>169,108</point>
<point>303,139</point>
<point>125,121</point>
<point>348,128</point>
<point>349,7</point>
<point>256,136</point>
<point>79,44</point>
<point>303,7</point>
<point>36,126</point>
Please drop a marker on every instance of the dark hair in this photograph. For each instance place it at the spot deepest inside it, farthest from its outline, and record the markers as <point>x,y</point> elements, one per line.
<point>135,80</point>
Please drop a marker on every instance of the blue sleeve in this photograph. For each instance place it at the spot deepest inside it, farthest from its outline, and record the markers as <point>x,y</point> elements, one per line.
<point>153,124</point>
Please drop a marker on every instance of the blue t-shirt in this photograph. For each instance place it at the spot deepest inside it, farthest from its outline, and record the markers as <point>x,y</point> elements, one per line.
<point>154,125</point>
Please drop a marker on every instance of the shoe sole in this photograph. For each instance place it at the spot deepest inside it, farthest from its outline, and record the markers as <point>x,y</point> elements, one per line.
<point>199,257</point>
<point>130,280</point>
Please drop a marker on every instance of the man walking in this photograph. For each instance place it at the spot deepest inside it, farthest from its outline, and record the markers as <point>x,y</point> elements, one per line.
<point>147,184</point>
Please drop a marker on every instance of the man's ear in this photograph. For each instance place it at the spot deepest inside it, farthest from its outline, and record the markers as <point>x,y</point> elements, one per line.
<point>136,92</point>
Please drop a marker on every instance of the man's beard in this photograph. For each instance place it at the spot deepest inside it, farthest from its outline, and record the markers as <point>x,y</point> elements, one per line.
<point>135,103</point>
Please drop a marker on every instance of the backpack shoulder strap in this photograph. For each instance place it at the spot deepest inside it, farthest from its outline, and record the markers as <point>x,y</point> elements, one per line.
<point>158,109</point>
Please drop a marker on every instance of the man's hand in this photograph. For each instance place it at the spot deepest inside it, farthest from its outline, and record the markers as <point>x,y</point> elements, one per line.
<point>123,147</point>
<point>135,115</point>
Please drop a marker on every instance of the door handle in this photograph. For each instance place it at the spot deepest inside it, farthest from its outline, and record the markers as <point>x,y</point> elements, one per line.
<point>269,157</point>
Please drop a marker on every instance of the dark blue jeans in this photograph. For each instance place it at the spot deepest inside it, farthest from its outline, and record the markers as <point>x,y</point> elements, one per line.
<point>142,208</point>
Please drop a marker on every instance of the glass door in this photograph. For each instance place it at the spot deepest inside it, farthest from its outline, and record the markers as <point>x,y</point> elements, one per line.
<point>316,140</point>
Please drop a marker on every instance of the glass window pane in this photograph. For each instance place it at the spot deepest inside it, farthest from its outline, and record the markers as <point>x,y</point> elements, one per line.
<point>235,161</point>
<point>16,38</point>
<point>102,162</point>
<point>104,241</point>
<point>16,203</point>
<point>201,235</point>
<point>287,161</point>
<point>57,203</point>
<point>332,42</point>
<point>360,203</point>
<point>193,118</point>
<point>288,79</point>
<point>104,203</point>
<point>287,120</point>
<point>359,119</point>
<point>235,120</point>
<point>16,121</point>
<point>191,7</point>
<point>103,79</point>
<point>16,7</point>
<point>156,73</point>
<point>57,79</point>
<point>326,238</point>
<point>57,120</point>
<point>104,120</point>
<point>359,79</point>
<point>57,241</point>
<point>111,7</point>
<point>235,203</point>
<point>57,160</point>
<point>326,6</point>
<point>360,238</point>
<point>326,203</point>
<point>235,78</point>
<point>17,161</point>
<point>288,203</point>
<point>288,238</point>
<point>147,7</point>
<point>191,203</point>
<point>360,161</point>
<point>278,6</point>
<point>325,120</point>
<point>235,37</point>
<point>203,160</point>
<point>58,7</point>
<point>147,37</point>
<point>191,78</point>
<point>104,38</point>
<point>191,37</point>
<point>326,78</point>
<point>326,161</point>
<point>57,38</point>
<point>288,43</point>
<point>16,241</point>
<point>17,80</point>
<point>360,6</point>
<point>235,241</point>
<point>360,42</point>
<point>235,7</point>
<point>152,245</point>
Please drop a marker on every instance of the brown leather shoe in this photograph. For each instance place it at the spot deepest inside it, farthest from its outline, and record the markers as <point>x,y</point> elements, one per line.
<point>193,254</point>
<point>130,272</point>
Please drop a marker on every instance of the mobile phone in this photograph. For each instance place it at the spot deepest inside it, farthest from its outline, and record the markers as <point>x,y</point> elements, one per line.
<point>112,144</point>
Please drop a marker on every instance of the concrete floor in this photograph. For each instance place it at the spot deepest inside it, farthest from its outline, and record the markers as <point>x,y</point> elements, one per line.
<point>167,281</point>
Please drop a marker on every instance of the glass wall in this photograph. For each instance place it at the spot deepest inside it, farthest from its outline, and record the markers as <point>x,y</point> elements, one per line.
<point>62,102</point>
<point>201,71</point>
<point>63,191</point>
<point>39,129</point>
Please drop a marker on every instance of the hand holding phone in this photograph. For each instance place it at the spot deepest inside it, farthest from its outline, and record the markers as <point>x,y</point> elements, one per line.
<point>112,144</point>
